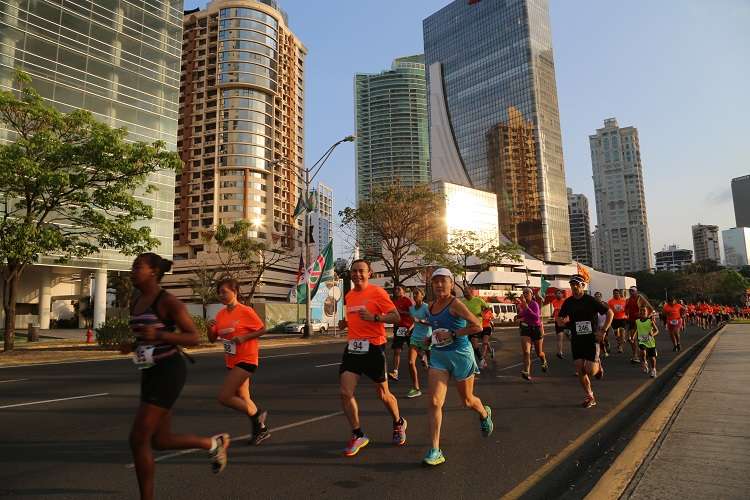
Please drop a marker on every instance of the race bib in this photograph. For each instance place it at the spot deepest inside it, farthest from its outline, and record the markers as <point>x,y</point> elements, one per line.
<point>402,331</point>
<point>618,307</point>
<point>674,322</point>
<point>643,338</point>
<point>583,328</point>
<point>359,346</point>
<point>444,343</point>
<point>143,356</point>
<point>230,347</point>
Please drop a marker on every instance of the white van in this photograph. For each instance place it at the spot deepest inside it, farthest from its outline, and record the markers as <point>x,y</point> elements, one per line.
<point>504,313</point>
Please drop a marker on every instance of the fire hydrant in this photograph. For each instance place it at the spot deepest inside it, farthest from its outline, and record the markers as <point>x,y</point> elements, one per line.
<point>89,336</point>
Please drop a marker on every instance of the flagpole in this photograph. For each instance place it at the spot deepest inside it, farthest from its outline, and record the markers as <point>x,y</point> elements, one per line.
<point>306,331</point>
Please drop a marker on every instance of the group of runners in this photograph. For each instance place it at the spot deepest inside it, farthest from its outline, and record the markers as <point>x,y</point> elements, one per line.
<point>450,336</point>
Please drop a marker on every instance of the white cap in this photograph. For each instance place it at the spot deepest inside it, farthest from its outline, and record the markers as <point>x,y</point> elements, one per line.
<point>441,271</point>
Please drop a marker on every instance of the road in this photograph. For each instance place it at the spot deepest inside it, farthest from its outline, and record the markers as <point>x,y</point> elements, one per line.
<point>53,446</point>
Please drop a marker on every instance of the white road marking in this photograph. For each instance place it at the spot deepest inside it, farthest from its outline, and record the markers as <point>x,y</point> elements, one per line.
<point>329,364</point>
<point>55,400</point>
<point>284,355</point>
<point>246,436</point>
<point>14,380</point>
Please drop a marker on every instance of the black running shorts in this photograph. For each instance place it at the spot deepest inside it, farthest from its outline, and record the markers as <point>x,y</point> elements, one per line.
<point>162,383</point>
<point>620,324</point>
<point>248,367</point>
<point>585,349</point>
<point>533,332</point>
<point>650,351</point>
<point>371,364</point>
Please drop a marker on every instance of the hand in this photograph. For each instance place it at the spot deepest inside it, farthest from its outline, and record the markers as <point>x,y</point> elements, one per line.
<point>366,315</point>
<point>238,340</point>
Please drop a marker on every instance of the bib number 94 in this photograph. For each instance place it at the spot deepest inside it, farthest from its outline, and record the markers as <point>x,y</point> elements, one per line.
<point>359,346</point>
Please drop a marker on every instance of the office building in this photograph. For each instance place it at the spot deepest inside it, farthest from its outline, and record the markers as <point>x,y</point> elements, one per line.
<point>706,243</point>
<point>736,246</point>
<point>483,219</point>
<point>494,118</point>
<point>241,110</point>
<point>580,228</point>
<point>623,239</point>
<point>321,219</point>
<point>121,62</point>
<point>672,258</point>
<point>741,199</point>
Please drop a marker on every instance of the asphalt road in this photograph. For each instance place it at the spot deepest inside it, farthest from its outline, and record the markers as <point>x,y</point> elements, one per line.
<point>77,448</point>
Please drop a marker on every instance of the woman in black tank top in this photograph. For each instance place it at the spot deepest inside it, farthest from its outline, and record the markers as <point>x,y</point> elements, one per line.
<point>155,318</point>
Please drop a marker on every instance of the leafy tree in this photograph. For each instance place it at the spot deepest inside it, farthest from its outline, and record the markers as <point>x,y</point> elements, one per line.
<point>244,257</point>
<point>67,188</point>
<point>402,219</point>
<point>122,285</point>
<point>203,284</point>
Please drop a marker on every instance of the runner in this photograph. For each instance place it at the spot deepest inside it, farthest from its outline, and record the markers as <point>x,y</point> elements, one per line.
<point>154,318</point>
<point>674,314</point>
<point>239,327</point>
<point>419,313</point>
<point>647,330</point>
<point>620,321</point>
<point>402,329</point>
<point>476,305</point>
<point>560,331</point>
<point>530,316</point>
<point>368,307</point>
<point>487,317</point>
<point>632,309</point>
<point>579,313</point>
<point>451,356</point>
<point>601,318</point>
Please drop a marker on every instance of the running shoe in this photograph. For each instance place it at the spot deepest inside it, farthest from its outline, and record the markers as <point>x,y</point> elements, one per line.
<point>492,352</point>
<point>653,373</point>
<point>560,355</point>
<point>413,393</point>
<point>600,374</point>
<point>393,375</point>
<point>545,366</point>
<point>433,457</point>
<point>526,376</point>
<point>399,433</point>
<point>259,437</point>
<point>679,347</point>
<point>605,354</point>
<point>486,424</point>
<point>219,453</point>
<point>644,367</point>
<point>635,361</point>
<point>589,402</point>
<point>674,348</point>
<point>355,444</point>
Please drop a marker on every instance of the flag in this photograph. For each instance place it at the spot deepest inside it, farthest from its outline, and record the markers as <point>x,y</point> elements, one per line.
<point>299,283</point>
<point>300,208</point>
<point>543,289</point>
<point>319,272</point>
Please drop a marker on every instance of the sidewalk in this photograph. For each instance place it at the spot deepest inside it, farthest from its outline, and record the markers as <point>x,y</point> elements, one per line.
<point>704,451</point>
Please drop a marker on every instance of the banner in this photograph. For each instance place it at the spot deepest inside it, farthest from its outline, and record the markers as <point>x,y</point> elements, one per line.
<point>319,272</point>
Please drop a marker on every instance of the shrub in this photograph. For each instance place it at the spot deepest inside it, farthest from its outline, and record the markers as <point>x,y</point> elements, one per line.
<point>113,332</point>
<point>202,326</point>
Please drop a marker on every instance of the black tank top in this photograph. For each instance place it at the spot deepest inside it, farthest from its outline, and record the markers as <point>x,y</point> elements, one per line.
<point>150,317</point>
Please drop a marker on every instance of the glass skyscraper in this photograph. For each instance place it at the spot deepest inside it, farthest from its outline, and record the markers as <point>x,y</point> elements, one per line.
<point>116,59</point>
<point>494,119</point>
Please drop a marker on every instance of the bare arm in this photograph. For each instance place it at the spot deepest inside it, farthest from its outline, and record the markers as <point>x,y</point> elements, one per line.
<point>459,309</point>
<point>188,335</point>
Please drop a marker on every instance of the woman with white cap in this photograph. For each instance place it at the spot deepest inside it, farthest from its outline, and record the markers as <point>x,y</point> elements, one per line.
<point>452,355</point>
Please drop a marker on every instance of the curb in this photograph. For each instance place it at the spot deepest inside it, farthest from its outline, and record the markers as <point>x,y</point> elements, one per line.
<point>621,473</point>
<point>551,480</point>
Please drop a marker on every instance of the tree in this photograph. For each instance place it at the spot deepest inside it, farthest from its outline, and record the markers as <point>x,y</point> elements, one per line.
<point>203,283</point>
<point>400,217</point>
<point>67,188</point>
<point>121,283</point>
<point>244,257</point>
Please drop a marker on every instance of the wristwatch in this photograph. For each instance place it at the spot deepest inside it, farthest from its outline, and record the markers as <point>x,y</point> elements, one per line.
<point>377,318</point>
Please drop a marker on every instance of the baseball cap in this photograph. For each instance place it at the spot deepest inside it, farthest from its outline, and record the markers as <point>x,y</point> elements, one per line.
<point>577,278</point>
<point>441,271</point>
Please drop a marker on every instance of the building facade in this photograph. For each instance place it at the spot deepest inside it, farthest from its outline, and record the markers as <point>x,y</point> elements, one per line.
<point>483,220</point>
<point>580,228</point>
<point>321,219</point>
<point>241,125</point>
<point>741,199</point>
<point>706,243</point>
<point>672,258</point>
<point>121,62</point>
<point>623,239</point>
<point>736,246</point>
<point>391,122</point>
<point>494,117</point>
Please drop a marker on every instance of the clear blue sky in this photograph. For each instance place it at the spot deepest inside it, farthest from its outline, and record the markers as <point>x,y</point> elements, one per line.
<point>678,70</point>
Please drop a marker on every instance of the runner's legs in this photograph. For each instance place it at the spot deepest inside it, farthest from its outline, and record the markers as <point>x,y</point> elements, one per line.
<point>438,384</point>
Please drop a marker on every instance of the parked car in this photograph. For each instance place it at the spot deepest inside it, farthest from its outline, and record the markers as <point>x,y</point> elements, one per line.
<point>504,313</point>
<point>299,326</point>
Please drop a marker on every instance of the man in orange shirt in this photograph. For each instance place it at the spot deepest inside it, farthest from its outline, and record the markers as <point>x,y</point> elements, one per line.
<point>674,314</point>
<point>620,321</point>
<point>368,308</point>
<point>557,303</point>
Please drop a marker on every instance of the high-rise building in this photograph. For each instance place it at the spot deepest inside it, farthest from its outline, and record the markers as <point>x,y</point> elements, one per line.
<point>741,198</point>
<point>391,120</point>
<point>580,228</point>
<point>706,243</point>
<point>453,219</point>
<point>121,62</point>
<point>736,246</point>
<point>321,219</point>
<point>241,128</point>
<point>622,224</point>
<point>494,118</point>
<point>672,258</point>
<point>596,261</point>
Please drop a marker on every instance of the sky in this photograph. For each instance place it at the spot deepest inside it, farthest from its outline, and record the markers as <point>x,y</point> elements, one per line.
<point>678,70</point>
